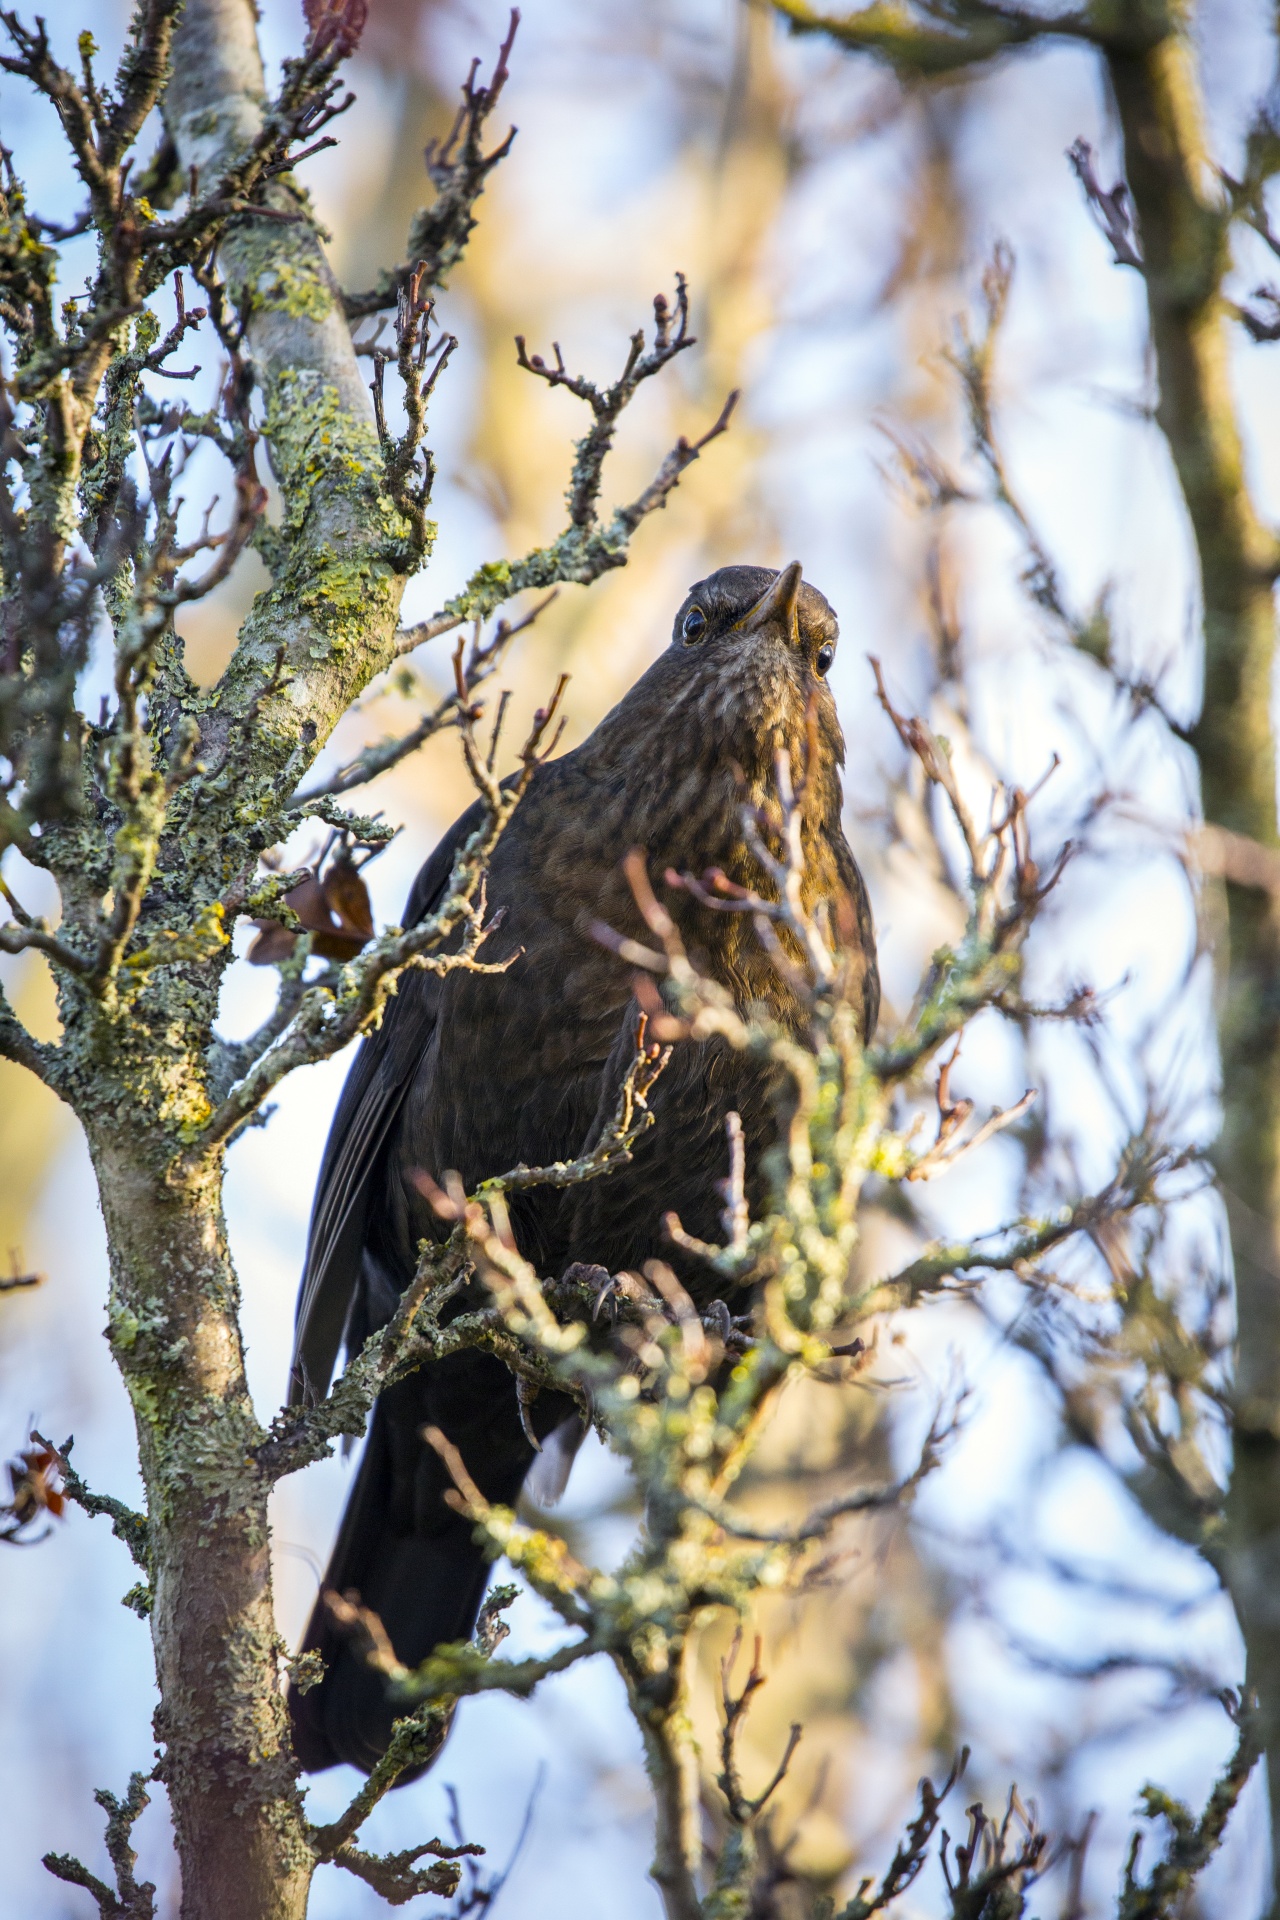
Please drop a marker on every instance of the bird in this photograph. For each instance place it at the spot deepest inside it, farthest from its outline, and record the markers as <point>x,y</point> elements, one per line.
<point>471,1074</point>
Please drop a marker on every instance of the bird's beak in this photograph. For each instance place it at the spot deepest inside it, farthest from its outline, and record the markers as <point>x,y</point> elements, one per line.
<point>777,604</point>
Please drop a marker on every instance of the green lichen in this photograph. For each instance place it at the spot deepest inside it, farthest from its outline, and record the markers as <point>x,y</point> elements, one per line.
<point>296,287</point>
<point>206,936</point>
<point>314,439</point>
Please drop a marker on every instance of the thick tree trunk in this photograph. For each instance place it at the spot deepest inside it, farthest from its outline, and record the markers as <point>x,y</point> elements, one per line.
<point>1184,240</point>
<point>228,1768</point>
<point>329,618</point>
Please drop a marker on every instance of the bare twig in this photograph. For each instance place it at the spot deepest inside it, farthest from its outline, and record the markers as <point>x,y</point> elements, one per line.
<point>458,168</point>
<point>911,1853</point>
<point>949,1147</point>
<point>1113,210</point>
<point>131,1899</point>
<point>743,1809</point>
<point>586,549</point>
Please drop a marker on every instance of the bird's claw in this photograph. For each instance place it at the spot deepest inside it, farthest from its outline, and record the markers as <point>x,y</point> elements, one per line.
<point>598,1281</point>
<point>733,1331</point>
<point>526,1394</point>
<point>606,1292</point>
<point>718,1321</point>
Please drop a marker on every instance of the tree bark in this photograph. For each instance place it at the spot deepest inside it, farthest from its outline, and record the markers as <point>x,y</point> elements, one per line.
<point>335,593</point>
<point>1184,235</point>
<point>313,641</point>
<point>228,1767</point>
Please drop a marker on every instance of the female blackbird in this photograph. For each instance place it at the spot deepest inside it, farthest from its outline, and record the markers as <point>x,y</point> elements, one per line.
<point>478,1073</point>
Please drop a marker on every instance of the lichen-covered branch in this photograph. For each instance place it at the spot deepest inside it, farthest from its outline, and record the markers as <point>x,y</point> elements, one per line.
<point>415,1739</point>
<point>586,549</point>
<point>1145,1163</point>
<point>126,1525</point>
<point>131,1899</point>
<point>416,1332</point>
<point>458,168</point>
<point>348,1001</point>
<point>450,1672</point>
<point>1191,1843</point>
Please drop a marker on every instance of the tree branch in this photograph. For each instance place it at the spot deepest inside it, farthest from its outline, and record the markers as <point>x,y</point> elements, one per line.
<point>1192,1843</point>
<point>413,1336</point>
<point>131,1900</point>
<point>936,41</point>
<point>1133,1185</point>
<point>458,168</point>
<point>133,1529</point>
<point>417,1736</point>
<point>583,552</point>
<point>481,661</point>
<point>17,1044</point>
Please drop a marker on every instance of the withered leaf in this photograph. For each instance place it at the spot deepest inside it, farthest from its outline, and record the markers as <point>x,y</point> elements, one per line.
<point>34,1489</point>
<point>334,908</point>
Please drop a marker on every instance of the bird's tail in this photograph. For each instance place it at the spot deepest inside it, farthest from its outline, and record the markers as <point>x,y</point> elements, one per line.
<point>404,1551</point>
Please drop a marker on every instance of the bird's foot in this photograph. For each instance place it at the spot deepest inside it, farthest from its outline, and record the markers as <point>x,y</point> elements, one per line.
<point>599,1282</point>
<point>733,1331</point>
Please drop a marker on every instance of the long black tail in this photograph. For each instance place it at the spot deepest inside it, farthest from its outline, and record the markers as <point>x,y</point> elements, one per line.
<point>406,1553</point>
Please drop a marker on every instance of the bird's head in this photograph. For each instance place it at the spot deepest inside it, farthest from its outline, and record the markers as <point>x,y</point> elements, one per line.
<point>744,675</point>
<point>738,613</point>
<point>693,745</point>
<point>750,651</point>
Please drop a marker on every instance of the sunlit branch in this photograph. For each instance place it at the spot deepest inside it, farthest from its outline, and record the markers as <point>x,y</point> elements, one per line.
<point>937,40</point>
<point>482,659</point>
<point>458,168</point>
<point>586,550</point>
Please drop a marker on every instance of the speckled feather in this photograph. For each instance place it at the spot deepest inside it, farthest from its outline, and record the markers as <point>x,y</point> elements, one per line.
<point>477,1073</point>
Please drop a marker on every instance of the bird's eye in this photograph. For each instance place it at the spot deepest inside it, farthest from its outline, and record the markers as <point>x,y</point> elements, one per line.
<point>695,624</point>
<point>825,655</point>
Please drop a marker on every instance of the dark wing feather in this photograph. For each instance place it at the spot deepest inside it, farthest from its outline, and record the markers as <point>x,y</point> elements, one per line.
<point>371,1100</point>
<point>856,888</point>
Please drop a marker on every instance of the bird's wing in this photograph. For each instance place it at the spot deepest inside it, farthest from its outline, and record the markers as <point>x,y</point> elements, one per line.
<point>856,889</point>
<point>375,1089</point>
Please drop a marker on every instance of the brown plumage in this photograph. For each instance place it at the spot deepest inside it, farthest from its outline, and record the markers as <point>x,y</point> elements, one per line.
<point>476,1073</point>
